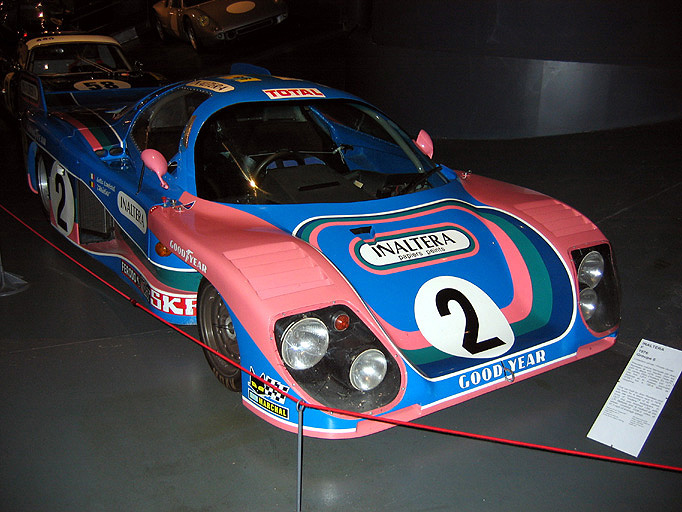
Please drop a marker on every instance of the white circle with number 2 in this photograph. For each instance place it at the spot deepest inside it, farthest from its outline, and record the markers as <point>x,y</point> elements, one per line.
<point>445,329</point>
<point>61,197</point>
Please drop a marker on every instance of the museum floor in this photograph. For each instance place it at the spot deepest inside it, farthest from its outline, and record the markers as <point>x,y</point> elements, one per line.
<point>106,409</point>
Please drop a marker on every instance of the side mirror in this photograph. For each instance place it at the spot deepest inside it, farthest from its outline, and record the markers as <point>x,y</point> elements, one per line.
<point>156,162</point>
<point>424,143</point>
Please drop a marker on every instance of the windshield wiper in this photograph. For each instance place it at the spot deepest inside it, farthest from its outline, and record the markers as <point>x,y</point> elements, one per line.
<point>411,187</point>
<point>101,67</point>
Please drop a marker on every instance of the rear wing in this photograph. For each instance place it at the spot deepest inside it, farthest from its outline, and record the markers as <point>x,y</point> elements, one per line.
<point>33,96</point>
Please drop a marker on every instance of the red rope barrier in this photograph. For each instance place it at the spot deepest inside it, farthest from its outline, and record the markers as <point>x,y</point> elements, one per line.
<point>381,419</point>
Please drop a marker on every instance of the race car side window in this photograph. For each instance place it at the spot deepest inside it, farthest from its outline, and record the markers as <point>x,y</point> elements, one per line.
<point>161,125</point>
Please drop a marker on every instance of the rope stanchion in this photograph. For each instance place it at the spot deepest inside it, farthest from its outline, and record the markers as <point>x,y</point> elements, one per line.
<point>301,405</point>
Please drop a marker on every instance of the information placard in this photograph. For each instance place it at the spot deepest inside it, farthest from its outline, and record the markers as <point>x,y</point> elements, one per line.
<point>638,398</point>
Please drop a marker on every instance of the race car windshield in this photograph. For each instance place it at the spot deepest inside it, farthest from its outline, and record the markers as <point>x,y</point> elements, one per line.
<point>62,59</point>
<point>305,152</point>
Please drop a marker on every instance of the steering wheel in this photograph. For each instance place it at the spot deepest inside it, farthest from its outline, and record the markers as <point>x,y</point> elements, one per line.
<point>284,154</point>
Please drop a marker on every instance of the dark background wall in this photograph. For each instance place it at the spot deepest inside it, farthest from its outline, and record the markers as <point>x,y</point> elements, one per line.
<point>519,68</point>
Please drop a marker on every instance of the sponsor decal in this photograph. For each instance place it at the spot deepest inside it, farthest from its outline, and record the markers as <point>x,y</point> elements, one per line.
<point>33,132</point>
<point>460,319</point>
<point>137,279</point>
<point>386,251</point>
<point>506,368</point>
<point>30,91</point>
<point>278,94</point>
<point>211,85</point>
<point>98,85</point>
<point>100,185</point>
<point>269,397</point>
<point>170,303</point>
<point>132,211</point>
<point>187,255</point>
<point>242,78</point>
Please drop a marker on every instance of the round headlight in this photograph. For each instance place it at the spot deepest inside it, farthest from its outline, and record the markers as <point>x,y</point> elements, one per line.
<point>588,302</point>
<point>368,370</point>
<point>591,269</point>
<point>304,343</point>
<point>203,20</point>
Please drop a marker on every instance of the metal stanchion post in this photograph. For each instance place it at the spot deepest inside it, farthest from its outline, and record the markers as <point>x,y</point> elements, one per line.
<point>299,491</point>
<point>10,283</point>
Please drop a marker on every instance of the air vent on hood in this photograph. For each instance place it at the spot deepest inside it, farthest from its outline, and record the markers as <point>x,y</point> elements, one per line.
<point>278,269</point>
<point>560,219</point>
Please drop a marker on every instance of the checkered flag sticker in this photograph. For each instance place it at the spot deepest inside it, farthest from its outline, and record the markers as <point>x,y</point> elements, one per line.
<point>270,391</point>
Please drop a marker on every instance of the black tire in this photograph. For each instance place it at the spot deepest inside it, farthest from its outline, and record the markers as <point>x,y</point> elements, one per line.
<point>217,331</point>
<point>43,181</point>
<point>192,36</point>
<point>160,32</point>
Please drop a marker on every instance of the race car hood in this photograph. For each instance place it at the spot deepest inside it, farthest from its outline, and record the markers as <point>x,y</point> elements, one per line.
<point>231,14</point>
<point>430,270</point>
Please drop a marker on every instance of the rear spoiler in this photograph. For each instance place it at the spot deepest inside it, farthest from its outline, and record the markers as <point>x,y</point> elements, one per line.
<point>32,94</point>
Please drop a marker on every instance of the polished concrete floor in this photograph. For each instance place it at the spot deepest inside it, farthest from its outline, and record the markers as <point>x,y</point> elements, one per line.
<point>106,409</point>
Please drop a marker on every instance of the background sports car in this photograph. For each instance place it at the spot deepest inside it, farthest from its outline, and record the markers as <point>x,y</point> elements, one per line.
<point>205,22</point>
<point>318,245</point>
<point>69,63</point>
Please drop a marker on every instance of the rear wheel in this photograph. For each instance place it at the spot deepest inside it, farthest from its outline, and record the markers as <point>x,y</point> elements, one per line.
<point>217,331</point>
<point>43,181</point>
<point>192,36</point>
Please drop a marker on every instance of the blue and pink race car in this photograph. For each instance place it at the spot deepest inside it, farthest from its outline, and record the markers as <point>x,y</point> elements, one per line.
<point>317,244</point>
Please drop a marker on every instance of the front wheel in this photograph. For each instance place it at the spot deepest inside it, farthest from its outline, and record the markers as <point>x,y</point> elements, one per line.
<point>192,36</point>
<point>217,332</point>
<point>160,32</point>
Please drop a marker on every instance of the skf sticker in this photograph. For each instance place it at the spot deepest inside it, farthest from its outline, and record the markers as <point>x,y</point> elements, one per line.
<point>211,85</point>
<point>278,94</point>
<point>132,211</point>
<point>269,397</point>
<point>170,303</point>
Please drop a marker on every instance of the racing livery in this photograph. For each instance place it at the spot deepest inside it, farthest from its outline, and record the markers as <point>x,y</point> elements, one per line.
<point>316,244</point>
<point>69,62</point>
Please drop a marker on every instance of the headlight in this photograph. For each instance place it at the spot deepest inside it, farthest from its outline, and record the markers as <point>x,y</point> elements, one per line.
<point>598,293</point>
<point>203,20</point>
<point>337,360</point>
<point>588,302</point>
<point>368,370</point>
<point>304,343</point>
<point>591,269</point>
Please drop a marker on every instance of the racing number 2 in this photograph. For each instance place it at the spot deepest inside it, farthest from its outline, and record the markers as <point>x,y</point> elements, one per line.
<point>458,318</point>
<point>469,343</point>
<point>62,199</point>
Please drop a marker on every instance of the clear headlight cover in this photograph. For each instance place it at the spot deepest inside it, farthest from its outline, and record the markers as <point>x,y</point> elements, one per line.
<point>591,269</point>
<point>368,370</point>
<point>589,301</point>
<point>305,343</point>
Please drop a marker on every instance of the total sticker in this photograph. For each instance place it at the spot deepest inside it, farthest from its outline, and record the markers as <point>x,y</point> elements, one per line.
<point>460,319</point>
